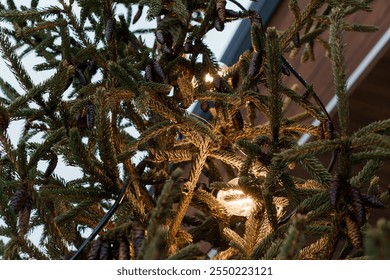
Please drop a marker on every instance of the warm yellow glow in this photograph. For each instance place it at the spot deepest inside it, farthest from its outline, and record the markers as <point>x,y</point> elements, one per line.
<point>236,202</point>
<point>208,78</point>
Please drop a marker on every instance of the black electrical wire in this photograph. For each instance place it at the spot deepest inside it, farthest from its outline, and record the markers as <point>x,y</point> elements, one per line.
<point>104,221</point>
<point>319,103</point>
<point>239,5</point>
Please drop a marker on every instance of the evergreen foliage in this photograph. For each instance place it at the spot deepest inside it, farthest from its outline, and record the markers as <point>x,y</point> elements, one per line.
<point>107,84</point>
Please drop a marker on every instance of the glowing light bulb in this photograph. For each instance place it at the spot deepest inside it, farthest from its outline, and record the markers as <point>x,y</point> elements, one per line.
<point>208,78</point>
<point>235,200</point>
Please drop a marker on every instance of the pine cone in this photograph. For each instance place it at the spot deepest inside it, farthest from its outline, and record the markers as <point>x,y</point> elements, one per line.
<point>105,251</point>
<point>256,18</point>
<point>221,4</point>
<point>238,122</point>
<point>80,76</point>
<point>90,116</point>
<point>188,46</point>
<point>138,238</point>
<point>24,217</point>
<point>110,28</point>
<point>334,189</point>
<point>330,130</point>
<point>354,232</point>
<point>149,73</point>
<point>160,37</point>
<point>232,15</point>
<point>160,72</point>
<point>218,24</point>
<point>296,40</point>
<point>4,118</point>
<point>357,204</point>
<point>18,199</point>
<point>254,65</point>
<point>124,249</point>
<point>285,69</point>
<point>52,165</point>
<point>138,15</point>
<point>372,201</point>
<point>94,252</point>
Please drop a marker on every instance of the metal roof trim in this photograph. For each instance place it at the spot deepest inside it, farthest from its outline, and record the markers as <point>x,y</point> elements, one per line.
<point>241,40</point>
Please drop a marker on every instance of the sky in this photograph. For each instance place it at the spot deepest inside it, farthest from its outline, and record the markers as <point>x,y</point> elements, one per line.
<point>217,42</point>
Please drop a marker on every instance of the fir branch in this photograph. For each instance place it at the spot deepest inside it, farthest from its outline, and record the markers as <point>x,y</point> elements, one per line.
<point>14,63</point>
<point>258,38</point>
<point>83,158</point>
<point>295,9</point>
<point>261,247</point>
<point>312,203</point>
<point>29,14</point>
<point>314,167</point>
<point>7,146</point>
<point>339,69</point>
<point>73,212</point>
<point>293,241</point>
<point>157,248</point>
<point>45,25</point>
<point>227,157</point>
<point>314,250</point>
<point>159,216</point>
<point>305,16</point>
<point>300,152</point>
<point>8,90</point>
<point>305,103</point>
<point>75,24</point>
<point>199,32</point>
<point>273,74</point>
<point>367,173</point>
<point>371,140</point>
<point>123,77</point>
<point>52,139</point>
<point>173,156</point>
<point>218,96</point>
<point>377,154</point>
<point>209,205</point>
<point>270,206</point>
<point>105,136</point>
<point>180,10</point>
<point>6,212</point>
<point>237,242</point>
<point>150,133</point>
<point>292,192</point>
<point>72,193</point>
<point>376,243</point>
<point>105,219</point>
<point>189,187</point>
<point>254,227</point>
<point>189,252</point>
<point>360,28</point>
<point>375,127</point>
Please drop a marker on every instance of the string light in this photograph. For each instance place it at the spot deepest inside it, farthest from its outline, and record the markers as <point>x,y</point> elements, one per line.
<point>208,78</point>
<point>235,200</point>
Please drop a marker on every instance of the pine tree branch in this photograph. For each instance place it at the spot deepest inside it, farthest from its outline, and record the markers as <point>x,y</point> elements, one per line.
<point>189,187</point>
<point>339,69</point>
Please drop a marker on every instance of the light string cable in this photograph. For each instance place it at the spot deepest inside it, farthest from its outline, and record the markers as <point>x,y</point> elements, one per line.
<point>103,221</point>
<point>238,4</point>
<point>329,125</point>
